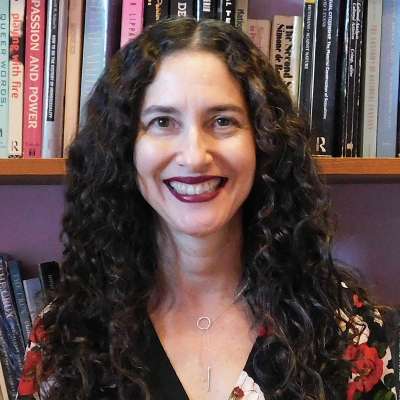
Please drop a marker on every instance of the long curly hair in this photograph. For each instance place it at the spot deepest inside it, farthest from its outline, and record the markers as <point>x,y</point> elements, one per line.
<point>96,327</point>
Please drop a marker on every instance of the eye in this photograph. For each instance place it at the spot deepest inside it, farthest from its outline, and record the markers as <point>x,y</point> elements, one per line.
<point>161,122</point>
<point>225,122</point>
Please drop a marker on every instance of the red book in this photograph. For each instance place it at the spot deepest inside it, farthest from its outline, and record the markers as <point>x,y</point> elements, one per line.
<point>33,85</point>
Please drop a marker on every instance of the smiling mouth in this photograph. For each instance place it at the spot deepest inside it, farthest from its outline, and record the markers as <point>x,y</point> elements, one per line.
<point>195,189</point>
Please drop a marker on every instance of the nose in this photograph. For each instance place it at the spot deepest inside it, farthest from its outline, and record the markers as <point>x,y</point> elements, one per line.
<point>195,150</point>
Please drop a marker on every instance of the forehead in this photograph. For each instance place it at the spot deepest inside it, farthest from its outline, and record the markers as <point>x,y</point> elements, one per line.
<point>194,75</point>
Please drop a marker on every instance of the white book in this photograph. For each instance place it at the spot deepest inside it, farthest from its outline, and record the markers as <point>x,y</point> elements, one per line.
<point>370,85</point>
<point>259,31</point>
<point>241,15</point>
<point>16,77</point>
<point>285,53</point>
<point>34,297</point>
<point>54,78</point>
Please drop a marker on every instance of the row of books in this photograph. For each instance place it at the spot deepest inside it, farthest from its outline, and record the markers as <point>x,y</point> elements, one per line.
<point>20,302</point>
<point>56,51</point>
<point>340,61</point>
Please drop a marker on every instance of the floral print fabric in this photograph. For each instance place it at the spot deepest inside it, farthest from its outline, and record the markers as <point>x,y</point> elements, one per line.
<point>372,375</point>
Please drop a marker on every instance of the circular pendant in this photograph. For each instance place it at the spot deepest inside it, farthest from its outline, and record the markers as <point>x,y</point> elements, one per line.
<point>204,323</point>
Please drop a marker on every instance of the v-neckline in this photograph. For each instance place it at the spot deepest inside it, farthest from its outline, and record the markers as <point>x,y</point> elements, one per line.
<point>167,377</point>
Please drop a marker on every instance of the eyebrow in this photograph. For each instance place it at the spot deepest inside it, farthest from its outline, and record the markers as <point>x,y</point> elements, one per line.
<point>172,110</point>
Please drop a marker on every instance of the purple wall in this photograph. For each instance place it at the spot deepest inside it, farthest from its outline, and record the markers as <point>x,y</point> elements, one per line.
<point>368,234</point>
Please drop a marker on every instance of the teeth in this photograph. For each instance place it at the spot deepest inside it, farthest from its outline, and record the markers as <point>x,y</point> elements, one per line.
<point>190,190</point>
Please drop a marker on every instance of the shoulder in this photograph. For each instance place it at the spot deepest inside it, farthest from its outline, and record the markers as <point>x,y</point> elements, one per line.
<point>372,375</point>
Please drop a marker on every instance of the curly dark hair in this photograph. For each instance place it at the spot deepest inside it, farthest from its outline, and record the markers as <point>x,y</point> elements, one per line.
<point>96,327</point>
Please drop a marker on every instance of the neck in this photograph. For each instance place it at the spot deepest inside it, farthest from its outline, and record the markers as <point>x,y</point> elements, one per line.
<point>199,272</point>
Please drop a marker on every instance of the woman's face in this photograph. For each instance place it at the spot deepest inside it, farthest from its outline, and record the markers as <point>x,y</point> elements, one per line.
<point>195,151</point>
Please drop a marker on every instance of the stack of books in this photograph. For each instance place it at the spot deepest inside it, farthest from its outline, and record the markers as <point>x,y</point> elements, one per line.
<point>20,302</point>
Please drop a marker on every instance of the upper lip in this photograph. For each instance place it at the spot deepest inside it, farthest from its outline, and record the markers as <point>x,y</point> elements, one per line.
<point>192,179</point>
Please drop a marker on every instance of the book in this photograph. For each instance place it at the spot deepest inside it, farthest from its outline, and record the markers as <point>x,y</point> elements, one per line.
<point>154,11</point>
<point>259,31</point>
<point>4,50</point>
<point>360,14</point>
<point>286,35</point>
<point>226,11</point>
<point>73,72</point>
<point>33,79</point>
<point>181,8</point>
<point>388,79</point>
<point>205,9</point>
<point>324,104</point>
<point>11,341</point>
<point>14,269</point>
<point>131,20</point>
<point>241,15</point>
<point>34,298</point>
<point>49,275</point>
<point>54,78</point>
<point>101,40</point>
<point>306,83</point>
<point>16,77</point>
<point>370,81</point>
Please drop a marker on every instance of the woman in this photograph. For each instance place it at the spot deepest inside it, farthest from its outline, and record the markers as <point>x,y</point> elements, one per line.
<point>198,241</point>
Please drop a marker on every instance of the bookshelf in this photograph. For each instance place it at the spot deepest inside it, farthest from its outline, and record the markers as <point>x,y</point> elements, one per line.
<point>350,170</point>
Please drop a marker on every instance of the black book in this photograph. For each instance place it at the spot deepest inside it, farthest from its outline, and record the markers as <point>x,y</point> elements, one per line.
<point>226,11</point>
<point>307,59</point>
<point>324,108</point>
<point>181,8</point>
<point>206,9</point>
<point>49,275</point>
<point>352,144</point>
<point>154,10</point>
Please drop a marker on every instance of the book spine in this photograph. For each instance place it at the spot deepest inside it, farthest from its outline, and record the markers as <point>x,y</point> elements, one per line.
<point>259,31</point>
<point>10,315</point>
<point>357,77</point>
<point>33,80</point>
<point>33,295</point>
<point>285,50</point>
<point>182,8</point>
<point>226,11</point>
<point>132,20</point>
<point>370,84</point>
<point>307,59</point>
<point>324,93</point>
<point>94,49</point>
<point>7,355</point>
<point>73,72</point>
<point>389,79</point>
<point>347,144</point>
<point>16,76</point>
<point>54,78</point>
<point>20,300</point>
<point>49,275</point>
<point>206,9</point>
<point>398,124</point>
<point>113,38</point>
<point>4,50</point>
<point>154,10</point>
<point>241,15</point>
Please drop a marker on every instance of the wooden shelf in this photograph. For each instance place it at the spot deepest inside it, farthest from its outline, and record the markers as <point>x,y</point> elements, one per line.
<point>52,171</point>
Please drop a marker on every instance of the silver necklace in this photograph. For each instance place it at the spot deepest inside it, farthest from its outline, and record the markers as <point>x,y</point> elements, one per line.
<point>204,324</point>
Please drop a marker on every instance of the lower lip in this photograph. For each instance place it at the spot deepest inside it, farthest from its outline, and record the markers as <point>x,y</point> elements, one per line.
<point>195,198</point>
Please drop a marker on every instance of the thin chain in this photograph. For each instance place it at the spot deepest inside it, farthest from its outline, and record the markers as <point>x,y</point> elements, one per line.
<point>205,323</point>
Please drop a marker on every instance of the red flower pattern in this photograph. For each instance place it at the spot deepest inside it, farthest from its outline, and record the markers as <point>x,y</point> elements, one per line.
<point>237,393</point>
<point>366,365</point>
<point>358,303</point>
